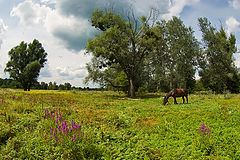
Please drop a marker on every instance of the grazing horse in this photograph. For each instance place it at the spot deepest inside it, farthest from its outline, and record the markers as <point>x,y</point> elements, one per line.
<point>179,92</point>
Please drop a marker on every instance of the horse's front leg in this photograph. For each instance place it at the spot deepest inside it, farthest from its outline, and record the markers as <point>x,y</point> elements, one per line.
<point>183,99</point>
<point>175,100</point>
<point>186,98</point>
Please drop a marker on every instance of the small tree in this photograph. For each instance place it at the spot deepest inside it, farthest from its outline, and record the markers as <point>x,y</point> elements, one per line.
<point>67,86</point>
<point>52,86</point>
<point>25,63</point>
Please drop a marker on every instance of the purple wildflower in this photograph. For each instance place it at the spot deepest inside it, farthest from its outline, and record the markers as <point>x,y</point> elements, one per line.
<point>59,127</point>
<point>62,130</point>
<point>58,118</point>
<point>204,129</point>
<point>75,126</point>
<point>65,127</point>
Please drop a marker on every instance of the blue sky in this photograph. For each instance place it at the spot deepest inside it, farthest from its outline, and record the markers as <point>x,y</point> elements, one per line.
<point>63,27</point>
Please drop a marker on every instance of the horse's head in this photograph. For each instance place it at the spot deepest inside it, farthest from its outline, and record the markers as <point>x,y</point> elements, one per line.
<point>165,100</point>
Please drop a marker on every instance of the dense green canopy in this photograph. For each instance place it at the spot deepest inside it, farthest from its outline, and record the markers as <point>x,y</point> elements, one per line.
<point>146,53</point>
<point>25,63</point>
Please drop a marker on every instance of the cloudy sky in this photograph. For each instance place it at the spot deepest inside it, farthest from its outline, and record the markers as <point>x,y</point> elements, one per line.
<point>63,27</point>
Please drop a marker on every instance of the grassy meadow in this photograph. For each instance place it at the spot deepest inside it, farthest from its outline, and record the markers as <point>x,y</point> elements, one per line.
<point>107,125</point>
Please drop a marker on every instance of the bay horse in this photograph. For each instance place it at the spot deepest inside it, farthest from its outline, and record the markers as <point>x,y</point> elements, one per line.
<point>178,92</point>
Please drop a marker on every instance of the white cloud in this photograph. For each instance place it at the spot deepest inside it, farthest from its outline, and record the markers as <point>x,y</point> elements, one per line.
<point>48,1</point>
<point>30,13</point>
<point>232,25</point>
<point>69,73</point>
<point>73,32</point>
<point>45,72</point>
<point>3,28</point>
<point>235,4</point>
<point>176,7</point>
<point>143,7</point>
<point>84,8</point>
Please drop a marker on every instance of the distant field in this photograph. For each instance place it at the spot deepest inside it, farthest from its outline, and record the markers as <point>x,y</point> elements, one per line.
<point>115,127</point>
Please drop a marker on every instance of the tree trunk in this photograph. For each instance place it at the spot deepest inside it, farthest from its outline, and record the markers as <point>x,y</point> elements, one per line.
<point>24,87</point>
<point>29,86</point>
<point>131,88</point>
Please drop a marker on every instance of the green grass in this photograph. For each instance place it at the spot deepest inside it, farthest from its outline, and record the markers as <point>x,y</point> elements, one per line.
<point>116,127</point>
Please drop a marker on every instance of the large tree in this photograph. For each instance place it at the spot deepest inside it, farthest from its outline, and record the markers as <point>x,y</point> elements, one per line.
<point>25,63</point>
<point>219,73</point>
<point>156,63</point>
<point>184,51</point>
<point>123,43</point>
<point>175,55</point>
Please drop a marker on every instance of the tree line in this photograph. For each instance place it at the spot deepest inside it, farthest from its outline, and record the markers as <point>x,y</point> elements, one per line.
<point>132,54</point>
<point>142,53</point>
<point>13,84</point>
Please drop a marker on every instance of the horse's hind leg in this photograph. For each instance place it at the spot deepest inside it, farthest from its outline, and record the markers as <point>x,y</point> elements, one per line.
<point>183,99</point>
<point>186,98</point>
<point>175,101</point>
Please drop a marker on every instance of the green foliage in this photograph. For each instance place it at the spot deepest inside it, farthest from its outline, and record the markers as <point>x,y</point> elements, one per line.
<point>65,86</point>
<point>13,84</point>
<point>122,44</point>
<point>52,86</point>
<point>175,56</point>
<point>199,86</point>
<point>110,78</point>
<point>25,63</point>
<point>9,83</point>
<point>219,72</point>
<point>160,56</point>
<point>5,133</point>
<point>157,56</point>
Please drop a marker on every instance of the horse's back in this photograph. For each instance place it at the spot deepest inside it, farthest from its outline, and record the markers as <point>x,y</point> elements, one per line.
<point>179,92</point>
